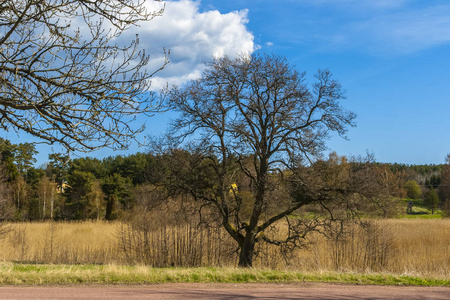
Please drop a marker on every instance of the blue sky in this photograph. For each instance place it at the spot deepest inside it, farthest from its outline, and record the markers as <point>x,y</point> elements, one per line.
<point>392,57</point>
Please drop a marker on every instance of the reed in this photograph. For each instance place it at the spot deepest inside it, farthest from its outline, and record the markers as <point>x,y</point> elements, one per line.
<point>410,247</point>
<point>54,242</point>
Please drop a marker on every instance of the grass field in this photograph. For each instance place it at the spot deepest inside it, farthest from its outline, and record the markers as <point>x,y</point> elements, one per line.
<point>25,274</point>
<point>404,250</point>
<point>419,210</point>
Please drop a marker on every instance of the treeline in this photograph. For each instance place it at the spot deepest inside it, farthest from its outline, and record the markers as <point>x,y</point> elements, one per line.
<point>108,188</point>
<point>424,175</point>
<point>428,182</point>
<point>70,189</point>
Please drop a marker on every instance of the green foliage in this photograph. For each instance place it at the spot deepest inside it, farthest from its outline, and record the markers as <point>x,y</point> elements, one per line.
<point>415,169</point>
<point>7,154</point>
<point>24,157</point>
<point>18,158</point>
<point>91,165</point>
<point>58,168</point>
<point>6,149</point>
<point>433,182</point>
<point>86,186</point>
<point>139,167</point>
<point>190,170</point>
<point>412,189</point>
<point>419,209</point>
<point>34,176</point>
<point>84,196</point>
<point>425,215</point>
<point>100,187</point>
<point>431,200</point>
<point>120,187</point>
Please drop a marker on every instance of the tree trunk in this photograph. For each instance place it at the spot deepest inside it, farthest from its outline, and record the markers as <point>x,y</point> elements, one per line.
<point>52,202</point>
<point>43,208</point>
<point>18,199</point>
<point>111,213</point>
<point>247,251</point>
<point>248,245</point>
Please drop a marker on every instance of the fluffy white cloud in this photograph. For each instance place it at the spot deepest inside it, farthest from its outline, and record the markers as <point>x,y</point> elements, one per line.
<point>193,37</point>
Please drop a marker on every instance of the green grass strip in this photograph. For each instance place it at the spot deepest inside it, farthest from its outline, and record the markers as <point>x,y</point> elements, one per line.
<point>35,274</point>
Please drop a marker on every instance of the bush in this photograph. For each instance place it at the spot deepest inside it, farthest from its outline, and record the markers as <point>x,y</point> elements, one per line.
<point>412,189</point>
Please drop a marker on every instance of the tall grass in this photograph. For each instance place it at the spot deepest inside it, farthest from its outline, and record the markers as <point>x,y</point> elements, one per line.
<point>410,247</point>
<point>177,246</point>
<point>52,242</point>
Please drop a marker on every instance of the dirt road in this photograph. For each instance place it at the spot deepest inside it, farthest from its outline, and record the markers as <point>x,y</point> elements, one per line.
<point>225,292</point>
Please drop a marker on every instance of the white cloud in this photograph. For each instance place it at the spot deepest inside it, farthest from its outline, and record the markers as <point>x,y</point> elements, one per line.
<point>368,4</point>
<point>405,31</point>
<point>193,38</point>
<point>379,27</point>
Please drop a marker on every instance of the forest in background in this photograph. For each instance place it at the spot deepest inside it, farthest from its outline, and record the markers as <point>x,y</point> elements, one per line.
<point>110,188</point>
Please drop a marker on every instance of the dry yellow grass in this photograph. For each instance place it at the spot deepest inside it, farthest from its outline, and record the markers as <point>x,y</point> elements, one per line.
<point>415,247</point>
<point>421,247</point>
<point>52,242</point>
<point>412,247</point>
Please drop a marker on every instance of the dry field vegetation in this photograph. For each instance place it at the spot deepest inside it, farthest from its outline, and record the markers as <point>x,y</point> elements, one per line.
<point>412,247</point>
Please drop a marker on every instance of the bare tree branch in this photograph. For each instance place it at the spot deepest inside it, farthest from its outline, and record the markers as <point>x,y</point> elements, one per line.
<point>65,79</point>
<point>257,117</point>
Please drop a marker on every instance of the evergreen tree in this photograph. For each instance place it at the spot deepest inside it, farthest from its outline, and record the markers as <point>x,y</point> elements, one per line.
<point>431,200</point>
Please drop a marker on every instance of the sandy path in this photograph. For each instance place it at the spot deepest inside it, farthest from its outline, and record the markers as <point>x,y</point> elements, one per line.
<point>225,291</point>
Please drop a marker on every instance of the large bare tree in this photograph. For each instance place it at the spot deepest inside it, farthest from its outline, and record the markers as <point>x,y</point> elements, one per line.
<point>65,77</point>
<point>256,124</point>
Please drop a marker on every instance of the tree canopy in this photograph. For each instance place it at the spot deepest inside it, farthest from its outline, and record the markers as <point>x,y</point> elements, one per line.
<point>431,200</point>
<point>255,120</point>
<point>413,190</point>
